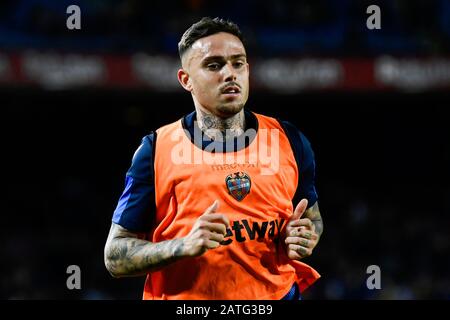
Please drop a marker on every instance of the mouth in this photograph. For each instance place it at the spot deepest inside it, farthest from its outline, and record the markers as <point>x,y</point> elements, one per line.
<point>231,91</point>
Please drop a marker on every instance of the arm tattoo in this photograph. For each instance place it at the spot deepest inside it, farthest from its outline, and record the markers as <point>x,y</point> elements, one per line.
<point>127,255</point>
<point>313,214</point>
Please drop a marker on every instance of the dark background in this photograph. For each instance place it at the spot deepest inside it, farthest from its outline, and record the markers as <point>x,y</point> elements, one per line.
<point>382,156</point>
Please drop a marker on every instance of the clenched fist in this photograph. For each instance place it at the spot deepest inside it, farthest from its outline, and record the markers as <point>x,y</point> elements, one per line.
<point>207,233</point>
<point>301,237</point>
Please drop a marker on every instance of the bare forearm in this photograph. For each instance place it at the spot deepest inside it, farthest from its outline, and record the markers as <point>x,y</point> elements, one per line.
<point>134,257</point>
<point>130,256</point>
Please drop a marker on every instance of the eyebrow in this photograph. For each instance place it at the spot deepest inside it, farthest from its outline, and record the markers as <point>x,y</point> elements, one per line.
<point>215,58</point>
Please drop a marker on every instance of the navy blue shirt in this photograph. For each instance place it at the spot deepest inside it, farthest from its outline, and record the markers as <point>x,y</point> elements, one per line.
<point>136,208</point>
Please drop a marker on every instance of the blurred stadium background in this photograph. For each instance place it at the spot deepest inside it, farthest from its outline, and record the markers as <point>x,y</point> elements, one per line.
<point>75,105</point>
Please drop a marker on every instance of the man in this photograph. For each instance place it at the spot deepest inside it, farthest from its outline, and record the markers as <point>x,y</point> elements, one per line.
<point>204,229</point>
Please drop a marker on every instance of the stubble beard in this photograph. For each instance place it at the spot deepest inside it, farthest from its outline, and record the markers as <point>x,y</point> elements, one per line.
<point>227,110</point>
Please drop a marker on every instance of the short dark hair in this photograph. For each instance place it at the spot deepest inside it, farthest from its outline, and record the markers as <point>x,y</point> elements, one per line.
<point>206,27</point>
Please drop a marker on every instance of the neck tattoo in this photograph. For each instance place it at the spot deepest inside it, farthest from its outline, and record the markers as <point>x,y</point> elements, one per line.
<point>219,129</point>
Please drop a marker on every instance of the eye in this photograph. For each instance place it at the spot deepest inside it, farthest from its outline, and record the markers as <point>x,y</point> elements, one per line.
<point>238,64</point>
<point>213,66</point>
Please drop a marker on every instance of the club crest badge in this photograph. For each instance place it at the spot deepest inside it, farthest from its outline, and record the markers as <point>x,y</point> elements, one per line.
<point>238,185</point>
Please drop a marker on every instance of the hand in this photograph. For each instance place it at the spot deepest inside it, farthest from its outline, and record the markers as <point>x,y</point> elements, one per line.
<point>301,237</point>
<point>207,233</point>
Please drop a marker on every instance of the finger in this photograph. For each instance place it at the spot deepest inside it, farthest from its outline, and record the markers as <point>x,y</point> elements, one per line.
<point>300,209</point>
<point>302,251</point>
<point>217,237</point>
<point>292,230</point>
<point>213,227</point>
<point>210,244</point>
<point>302,222</point>
<point>302,232</point>
<point>212,208</point>
<point>217,217</point>
<point>310,235</point>
<point>299,241</point>
<point>293,255</point>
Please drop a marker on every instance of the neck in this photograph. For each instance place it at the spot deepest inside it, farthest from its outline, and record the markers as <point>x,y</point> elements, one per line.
<point>220,129</point>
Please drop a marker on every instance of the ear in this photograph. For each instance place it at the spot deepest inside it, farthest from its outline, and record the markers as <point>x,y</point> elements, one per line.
<point>184,79</point>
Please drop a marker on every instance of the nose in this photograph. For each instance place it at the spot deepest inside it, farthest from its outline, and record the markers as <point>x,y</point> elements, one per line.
<point>229,72</point>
